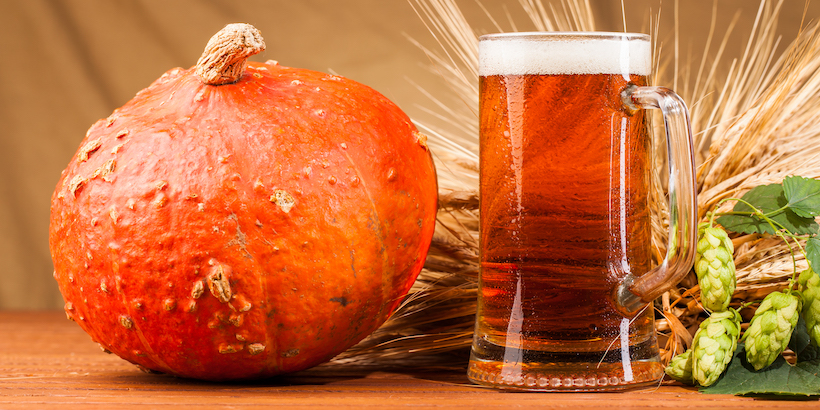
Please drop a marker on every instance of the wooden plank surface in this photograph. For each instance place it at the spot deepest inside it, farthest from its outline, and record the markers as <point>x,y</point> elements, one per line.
<point>48,362</point>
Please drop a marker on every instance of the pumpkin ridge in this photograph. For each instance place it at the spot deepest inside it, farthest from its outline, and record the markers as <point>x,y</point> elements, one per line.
<point>154,356</point>
<point>273,363</point>
<point>386,286</point>
<point>129,308</point>
<point>271,344</point>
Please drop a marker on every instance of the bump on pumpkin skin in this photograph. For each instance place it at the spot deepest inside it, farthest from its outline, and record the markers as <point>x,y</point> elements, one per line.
<point>218,281</point>
<point>126,322</point>
<point>114,215</point>
<point>160,201</point>
<point>290,353</point>
<point>236,319</point>
<point>228,348</point>
<point>105,170</point>
<point>256,348</point>
<point>421,139</point>
<point>242,302</point>
<point>76,183</point>
<point>283,200</point>
<point>200,96</point>
<point>197,290</point>
<point>88,149</point>
<point>117,148</point>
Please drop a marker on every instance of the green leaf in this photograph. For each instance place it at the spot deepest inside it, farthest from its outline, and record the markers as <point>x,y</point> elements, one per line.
<point>800,343</point>
<point>767,198</point>
<point>803,195</point>
<point>813,253</point>
<point>779,379</point>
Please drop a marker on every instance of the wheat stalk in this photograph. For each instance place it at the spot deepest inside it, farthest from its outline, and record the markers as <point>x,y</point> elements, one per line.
<point>756,119</point>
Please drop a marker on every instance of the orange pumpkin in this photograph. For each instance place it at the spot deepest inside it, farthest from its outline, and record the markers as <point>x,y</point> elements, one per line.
<point>241,220</point>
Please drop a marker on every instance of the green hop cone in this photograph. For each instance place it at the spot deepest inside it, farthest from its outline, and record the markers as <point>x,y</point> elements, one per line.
<point>680,368</point>
<point>771,328</point>
<point>809,282</point>
<point>713,346</point>
<point>715,267</point>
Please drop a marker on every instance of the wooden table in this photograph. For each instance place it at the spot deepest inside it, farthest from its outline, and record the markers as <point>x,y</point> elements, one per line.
<point>48,362</point>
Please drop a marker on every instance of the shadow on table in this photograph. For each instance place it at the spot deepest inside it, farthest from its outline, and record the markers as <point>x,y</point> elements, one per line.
<point>446,369</point>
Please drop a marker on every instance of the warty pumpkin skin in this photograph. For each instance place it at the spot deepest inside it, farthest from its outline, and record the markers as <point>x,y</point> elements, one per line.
<point>242,230</point>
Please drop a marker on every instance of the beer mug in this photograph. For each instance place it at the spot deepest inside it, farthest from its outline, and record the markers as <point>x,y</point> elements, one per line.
<point>566,284</point>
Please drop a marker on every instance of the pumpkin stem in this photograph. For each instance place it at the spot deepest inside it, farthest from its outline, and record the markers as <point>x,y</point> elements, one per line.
<point>227,52</point>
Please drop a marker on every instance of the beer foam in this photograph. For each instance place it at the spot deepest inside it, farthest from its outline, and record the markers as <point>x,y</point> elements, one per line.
<point>520,55</point>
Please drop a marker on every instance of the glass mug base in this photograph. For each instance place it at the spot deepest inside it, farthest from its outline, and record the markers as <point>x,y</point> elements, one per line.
<point>563,371</point>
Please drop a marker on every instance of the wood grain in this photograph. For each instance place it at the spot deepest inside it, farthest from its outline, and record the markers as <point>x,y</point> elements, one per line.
<point>47,362</point>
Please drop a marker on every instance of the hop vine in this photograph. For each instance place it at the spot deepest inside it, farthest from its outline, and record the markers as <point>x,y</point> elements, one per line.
<point>787,211</point>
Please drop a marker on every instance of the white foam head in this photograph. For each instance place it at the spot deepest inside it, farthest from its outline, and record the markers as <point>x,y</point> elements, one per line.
<point>564,53</point>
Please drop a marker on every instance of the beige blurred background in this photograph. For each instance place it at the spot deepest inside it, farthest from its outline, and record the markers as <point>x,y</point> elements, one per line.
<point>66,63</point>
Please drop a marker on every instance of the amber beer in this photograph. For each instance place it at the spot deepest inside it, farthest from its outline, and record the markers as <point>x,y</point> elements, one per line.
<point>564,180</point>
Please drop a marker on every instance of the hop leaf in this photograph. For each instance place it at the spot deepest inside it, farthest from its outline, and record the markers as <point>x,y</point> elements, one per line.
<point>715,267</point>
<point>771,328</point>
<point>713,345</point>
<point>769,199</point>
<point>803,195</point>
<point>680,368</point>
<point>809,282</point>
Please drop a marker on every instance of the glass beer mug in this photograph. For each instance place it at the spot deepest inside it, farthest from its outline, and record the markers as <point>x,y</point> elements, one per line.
<point>565,164</point>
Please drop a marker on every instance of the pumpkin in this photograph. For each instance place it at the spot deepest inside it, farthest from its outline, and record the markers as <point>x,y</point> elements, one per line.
<point>240,220</point>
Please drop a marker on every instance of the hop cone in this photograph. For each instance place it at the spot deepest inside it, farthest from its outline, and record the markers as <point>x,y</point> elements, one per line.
<point>713,346</point>
<point>809,282</point>
<point>771,328</point>
<point>680,368</point>
<point>715,267</point>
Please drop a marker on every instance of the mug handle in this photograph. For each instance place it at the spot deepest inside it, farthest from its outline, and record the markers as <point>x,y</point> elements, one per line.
<point>635,292</point>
